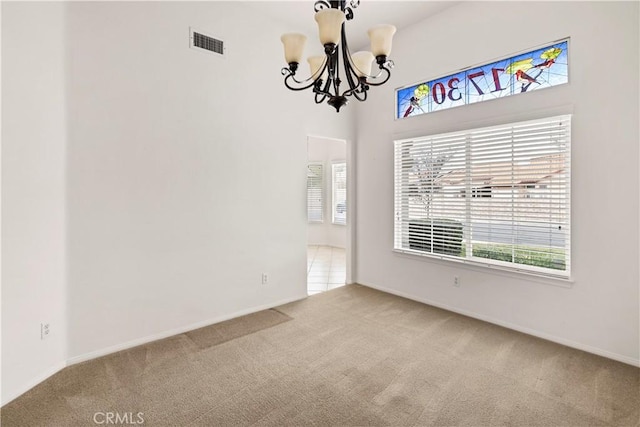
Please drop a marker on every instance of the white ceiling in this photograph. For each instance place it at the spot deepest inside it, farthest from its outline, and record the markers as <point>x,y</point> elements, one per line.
<point>298,17</point>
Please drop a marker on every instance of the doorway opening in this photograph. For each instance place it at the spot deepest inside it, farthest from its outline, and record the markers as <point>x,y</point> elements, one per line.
<point>328,248</point>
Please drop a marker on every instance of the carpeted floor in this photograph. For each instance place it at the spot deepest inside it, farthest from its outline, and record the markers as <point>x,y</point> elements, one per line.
<point>352,356</point>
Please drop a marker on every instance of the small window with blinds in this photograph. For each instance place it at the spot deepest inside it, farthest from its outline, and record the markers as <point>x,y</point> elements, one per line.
<point>497,196</point>
<point>339,187</point>
<point>315,192</point>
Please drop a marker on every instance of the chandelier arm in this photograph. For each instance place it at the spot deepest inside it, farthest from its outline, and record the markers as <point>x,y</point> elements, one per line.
<point>312,82</point>
<point>355,92</point>
<point>324,91</point>
<point>290,76</point>
<point>334,71</point>
<point>348,68</point>
<point>347,7</point>
<point>361,95</point>
<point>385,71</point>
<point>320,5</point>
<point>348,13</point>
<point>318,99</point>
<point>361,88</point>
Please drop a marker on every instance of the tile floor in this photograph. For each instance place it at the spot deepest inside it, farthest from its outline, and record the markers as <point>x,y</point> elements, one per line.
<point>326,268</point>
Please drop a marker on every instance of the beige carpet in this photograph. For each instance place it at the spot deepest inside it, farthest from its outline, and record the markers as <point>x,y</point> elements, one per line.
<point>352,356</point>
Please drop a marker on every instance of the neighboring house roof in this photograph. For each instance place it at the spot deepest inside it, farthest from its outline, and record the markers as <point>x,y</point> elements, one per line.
<point>499,174</point>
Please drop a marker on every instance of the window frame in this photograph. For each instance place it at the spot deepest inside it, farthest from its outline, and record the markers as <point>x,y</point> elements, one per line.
<point>402,219</point>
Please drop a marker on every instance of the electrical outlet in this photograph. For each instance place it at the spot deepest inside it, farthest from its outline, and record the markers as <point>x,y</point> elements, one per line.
<point>45,330</point>
<point>265,278</point>
<point>456,281</point>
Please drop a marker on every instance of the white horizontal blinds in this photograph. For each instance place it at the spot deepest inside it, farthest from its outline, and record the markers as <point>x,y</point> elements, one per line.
<point>315,186</point>
<point>339,185</point>
<point>520,193</point>
<point>495,195</point>
<point>430,205</point>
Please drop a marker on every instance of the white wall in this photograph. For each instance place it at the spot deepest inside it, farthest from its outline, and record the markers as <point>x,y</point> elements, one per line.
<point>327,151</point>
<point>187,172</point>
<point>33,192</point>
<point>599,312</point>
<point>139,176</point>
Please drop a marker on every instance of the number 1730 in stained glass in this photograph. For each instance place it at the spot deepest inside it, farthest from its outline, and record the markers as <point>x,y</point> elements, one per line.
<point>538,69</point>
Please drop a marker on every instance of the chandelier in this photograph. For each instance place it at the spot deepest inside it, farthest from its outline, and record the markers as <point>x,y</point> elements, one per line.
<point>325,70</point>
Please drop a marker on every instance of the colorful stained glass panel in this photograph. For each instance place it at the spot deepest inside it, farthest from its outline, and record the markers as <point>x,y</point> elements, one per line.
<point>537,69</point>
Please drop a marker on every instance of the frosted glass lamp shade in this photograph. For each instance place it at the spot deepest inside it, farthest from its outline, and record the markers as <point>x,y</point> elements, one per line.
<point>362,62</point>
<point>315,65</point>
<point>293,46</point>
<point>381,37</point>
<point>329,24</point>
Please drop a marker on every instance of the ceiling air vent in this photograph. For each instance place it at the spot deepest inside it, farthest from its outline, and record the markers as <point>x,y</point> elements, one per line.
<point>205,42</point>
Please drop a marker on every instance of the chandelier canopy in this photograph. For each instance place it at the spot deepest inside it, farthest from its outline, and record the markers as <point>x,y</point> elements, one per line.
<point>325,70</point>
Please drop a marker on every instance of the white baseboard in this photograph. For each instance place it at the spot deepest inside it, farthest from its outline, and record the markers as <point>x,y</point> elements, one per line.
<point>589,349</point>
<point>34,382</point>
<point>176,331</point>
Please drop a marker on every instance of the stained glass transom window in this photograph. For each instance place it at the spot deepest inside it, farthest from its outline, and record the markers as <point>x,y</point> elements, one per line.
<point>534,70</point>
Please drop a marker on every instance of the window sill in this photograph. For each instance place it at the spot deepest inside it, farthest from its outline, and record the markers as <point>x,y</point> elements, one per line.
<point>485,268</point>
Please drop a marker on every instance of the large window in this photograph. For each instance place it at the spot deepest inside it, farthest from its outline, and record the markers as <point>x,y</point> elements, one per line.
<point>339,186</point>
<point>497,196</point>
<point>315,190</point>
